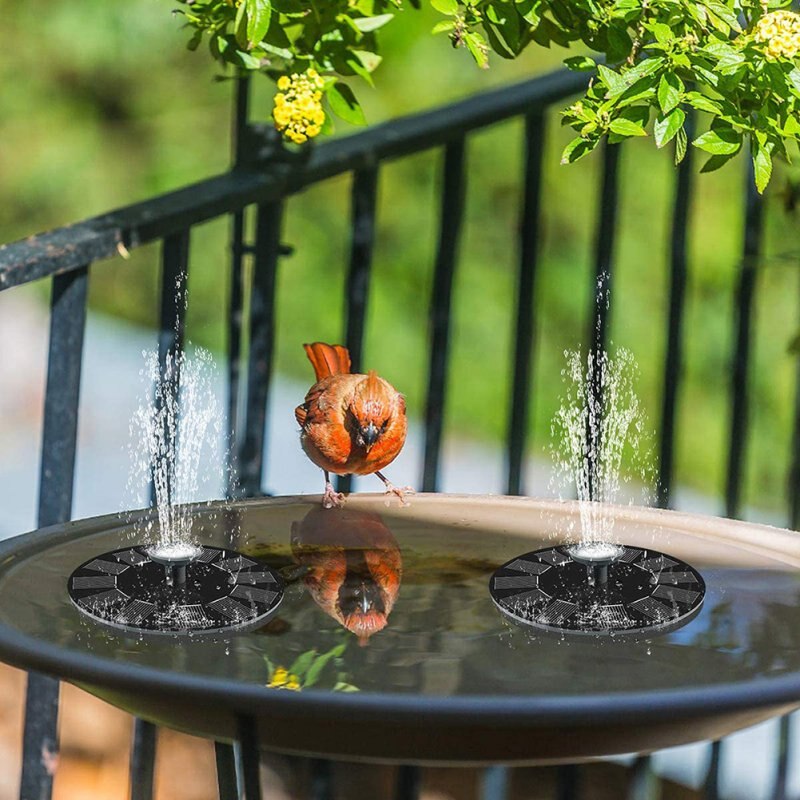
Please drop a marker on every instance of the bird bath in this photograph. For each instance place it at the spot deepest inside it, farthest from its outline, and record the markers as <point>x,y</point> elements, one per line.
<point>394,602</point>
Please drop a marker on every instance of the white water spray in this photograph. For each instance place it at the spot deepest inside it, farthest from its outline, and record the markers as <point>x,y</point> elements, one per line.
<point>598,435</point>
<point>173,437</point>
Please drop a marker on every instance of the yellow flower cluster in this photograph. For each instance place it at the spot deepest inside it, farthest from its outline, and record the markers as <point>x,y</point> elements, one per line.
<point>298,110</point>
<point>283,679</point>
<point>780,31</point>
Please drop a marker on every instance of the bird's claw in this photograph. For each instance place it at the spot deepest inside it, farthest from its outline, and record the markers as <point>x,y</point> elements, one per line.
<point>331,498</point>
<point>400,494</point>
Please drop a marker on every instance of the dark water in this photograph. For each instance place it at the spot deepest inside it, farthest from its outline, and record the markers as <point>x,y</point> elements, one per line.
<point>391,602</point>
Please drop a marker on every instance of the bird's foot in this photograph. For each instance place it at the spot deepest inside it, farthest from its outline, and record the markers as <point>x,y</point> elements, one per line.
<point>331,498</point>
<point>400,494</point>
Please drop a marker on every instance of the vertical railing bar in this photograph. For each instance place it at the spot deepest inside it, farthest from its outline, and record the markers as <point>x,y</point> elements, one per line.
<point>143,760</point>
<point>321,779</point>
<point>643,780</point>
<point>250,777</point>
<point>236,292</point>
<point>673,364</point>
<point>745,295</point>
<point>262,345</point>
<point>779,789</point>
<point>363,200</point>
<point>601,300</point>
<point>711,788</point>
<point>568,782</point>
<point>174,269</point>
<point>495,783</point>
<point>409,782</point>
<point>451,219</point>
<point>226,771</point>
<point>59,439</point>
<point>793,493</point>
<point>517,434</point>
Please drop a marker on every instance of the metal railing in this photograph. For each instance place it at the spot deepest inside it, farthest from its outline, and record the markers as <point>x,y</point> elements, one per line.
<point>263,176</point>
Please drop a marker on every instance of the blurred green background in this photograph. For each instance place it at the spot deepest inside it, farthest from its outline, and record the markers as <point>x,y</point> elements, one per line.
<point>103,106</point>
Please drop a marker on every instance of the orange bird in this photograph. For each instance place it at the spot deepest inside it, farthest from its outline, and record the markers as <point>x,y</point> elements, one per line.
<point>350,423</point>
<point>354,567</point>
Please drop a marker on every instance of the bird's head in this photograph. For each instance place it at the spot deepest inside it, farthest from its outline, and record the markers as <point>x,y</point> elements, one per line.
<point>371,407</point>
<point>362,607</point>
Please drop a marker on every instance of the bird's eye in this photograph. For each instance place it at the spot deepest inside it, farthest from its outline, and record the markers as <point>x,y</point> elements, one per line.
<point>384,424</point>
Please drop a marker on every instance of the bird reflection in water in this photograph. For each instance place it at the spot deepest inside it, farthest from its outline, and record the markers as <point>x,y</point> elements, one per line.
<point>353,567</point>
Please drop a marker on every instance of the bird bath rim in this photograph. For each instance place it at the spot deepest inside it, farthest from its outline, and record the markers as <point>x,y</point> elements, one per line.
<point>758,695</point>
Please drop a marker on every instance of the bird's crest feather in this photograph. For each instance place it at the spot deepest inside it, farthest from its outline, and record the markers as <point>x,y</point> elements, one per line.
<point>328,359</point>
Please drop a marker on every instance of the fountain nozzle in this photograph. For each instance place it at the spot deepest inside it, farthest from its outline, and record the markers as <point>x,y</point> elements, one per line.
<point>596,556</point>
<point>174,560</point>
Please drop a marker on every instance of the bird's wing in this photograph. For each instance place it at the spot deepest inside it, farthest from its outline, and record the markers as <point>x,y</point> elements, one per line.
<point>300,414</point>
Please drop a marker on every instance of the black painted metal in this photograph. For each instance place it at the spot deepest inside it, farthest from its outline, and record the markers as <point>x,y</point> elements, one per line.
<point>143,760</point>
<point>568,782</point>
<point>779,789</point>
<point>321,779</point>
<point>226,771</point>
<point>673,360</point>
<point>174,272</point>
<point>68,248</point>
<point>238,249</point>
<point>643,782</point>
<point>712,782</point>
<point>262,344</point>
<point>517,433</point>
<point>451,218</point>
<point>409,782</point>
<point>363,198</point>
<point>67,325</point>
<point>601,300</point>
<point>249,763</point>
<point>495,783</point>
<point>745,297</point>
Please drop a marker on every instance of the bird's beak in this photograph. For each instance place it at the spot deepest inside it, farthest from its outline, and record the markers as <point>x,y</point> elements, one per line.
<point>369,435</point>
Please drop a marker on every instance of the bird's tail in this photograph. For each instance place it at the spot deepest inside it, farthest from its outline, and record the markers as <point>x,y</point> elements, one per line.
<point>328,359</point>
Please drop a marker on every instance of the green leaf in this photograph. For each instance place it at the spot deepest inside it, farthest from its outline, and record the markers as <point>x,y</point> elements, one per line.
<point>449,7</point>
<point>723,141</point>
<point>341,686</point>
<point>616,85</point>
<point>370,61</point>
<point>667,127</point>
<point>703,103</point>
<point>762,165</point>
<point>670,88</point>
<point>662,32</point>
<point>794,79</point>
<point>302,663</point>
<point>681,142</point>
<point>344,104</point>
<point>445,26</point>
<point>529,11</point>
<point>627,127</point>
<point>368,24</point>
<point>477,47</point>
<point>715,162</point>
<point>577,149</point>
<point>727,15</point>
<point>315,670</point>
<point>579,63</point>
<point>258,17</point>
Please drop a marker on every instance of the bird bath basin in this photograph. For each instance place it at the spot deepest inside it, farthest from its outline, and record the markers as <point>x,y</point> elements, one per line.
<point>395,602</point>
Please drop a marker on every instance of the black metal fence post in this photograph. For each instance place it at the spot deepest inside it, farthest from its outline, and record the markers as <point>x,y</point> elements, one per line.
<point>450,223</point>
<point>59,441</point>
